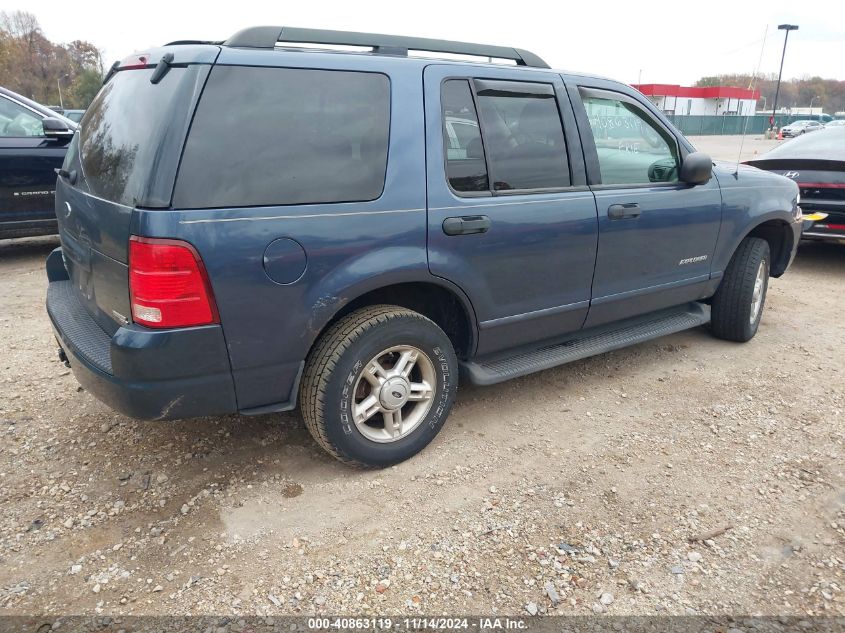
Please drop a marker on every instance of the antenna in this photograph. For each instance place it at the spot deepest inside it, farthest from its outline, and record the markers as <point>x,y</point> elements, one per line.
<point>751,86</point>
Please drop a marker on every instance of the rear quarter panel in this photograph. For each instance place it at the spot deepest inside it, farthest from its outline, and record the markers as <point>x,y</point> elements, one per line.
<point>350,247</point>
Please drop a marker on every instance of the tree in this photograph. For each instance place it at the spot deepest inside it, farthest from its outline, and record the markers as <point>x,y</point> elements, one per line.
<point>35,67</point>
<point>829,94</point>
<point>84,88</point>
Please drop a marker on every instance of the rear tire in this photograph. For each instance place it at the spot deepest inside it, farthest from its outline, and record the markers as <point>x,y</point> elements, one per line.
<point>378,386</point>
<point>737,306</point>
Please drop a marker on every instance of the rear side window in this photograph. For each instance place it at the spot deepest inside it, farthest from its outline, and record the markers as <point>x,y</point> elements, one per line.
<point>523,135</point>
<point>466,169</point>
<point>274,136</point>
<point>132,134</point>
<point>519,140</point>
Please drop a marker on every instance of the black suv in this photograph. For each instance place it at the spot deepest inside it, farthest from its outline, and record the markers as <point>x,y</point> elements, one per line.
<point>33,143</point>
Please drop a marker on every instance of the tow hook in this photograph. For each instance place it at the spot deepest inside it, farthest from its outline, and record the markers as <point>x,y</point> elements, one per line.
<point>63,357</point>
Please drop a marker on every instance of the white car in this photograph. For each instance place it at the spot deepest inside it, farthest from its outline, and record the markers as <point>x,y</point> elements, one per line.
<point>797,128</point>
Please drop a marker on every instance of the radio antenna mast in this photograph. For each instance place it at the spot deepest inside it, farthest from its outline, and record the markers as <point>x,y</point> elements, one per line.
<point>751,85</point>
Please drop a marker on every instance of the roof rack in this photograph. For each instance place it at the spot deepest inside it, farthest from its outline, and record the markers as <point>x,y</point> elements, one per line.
<point>269,36</point>
<point>178,42</point>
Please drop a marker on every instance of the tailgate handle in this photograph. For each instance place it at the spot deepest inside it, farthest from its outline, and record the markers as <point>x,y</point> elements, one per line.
<point>622,211</point>
<point>466,225</point>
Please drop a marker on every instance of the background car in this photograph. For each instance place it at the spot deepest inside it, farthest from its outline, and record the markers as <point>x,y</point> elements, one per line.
<point>817,164</point>
<point>797,128</point>
<point>33,143</point>
<point>74,115</point>
<point>835,123</point>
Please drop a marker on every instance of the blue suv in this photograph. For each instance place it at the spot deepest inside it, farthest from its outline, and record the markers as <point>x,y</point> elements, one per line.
<point>254,224</point>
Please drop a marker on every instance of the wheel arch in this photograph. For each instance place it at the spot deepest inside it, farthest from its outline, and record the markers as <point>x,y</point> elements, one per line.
<point>433,297</point>
<point>778,233</point>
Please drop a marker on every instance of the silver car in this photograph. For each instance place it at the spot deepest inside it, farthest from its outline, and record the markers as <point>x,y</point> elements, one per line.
<point>797,128</point>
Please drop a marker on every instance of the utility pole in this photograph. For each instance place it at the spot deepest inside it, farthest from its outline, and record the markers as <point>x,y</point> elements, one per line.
<point>59,84</point>
<point>787,28</point>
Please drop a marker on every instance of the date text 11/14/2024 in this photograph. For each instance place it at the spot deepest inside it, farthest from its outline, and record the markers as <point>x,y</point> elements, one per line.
<point>417,623</point>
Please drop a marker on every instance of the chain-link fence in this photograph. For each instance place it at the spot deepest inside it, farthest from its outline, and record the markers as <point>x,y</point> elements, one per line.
<point>699,125</point>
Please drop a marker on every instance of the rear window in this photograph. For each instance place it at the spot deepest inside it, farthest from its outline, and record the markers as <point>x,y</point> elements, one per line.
<point>274,136</point>
<point>132,133</point>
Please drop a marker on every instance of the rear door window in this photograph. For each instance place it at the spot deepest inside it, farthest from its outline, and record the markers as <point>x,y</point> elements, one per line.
<point>523,135</point>
<point>466,169</point>
<point>280,136</point>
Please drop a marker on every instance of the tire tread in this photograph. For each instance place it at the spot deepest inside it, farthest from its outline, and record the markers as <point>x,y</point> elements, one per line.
<point>730,305</point>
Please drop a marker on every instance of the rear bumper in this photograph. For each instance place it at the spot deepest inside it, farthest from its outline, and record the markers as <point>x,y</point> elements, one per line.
<point>832,228</point>
<point>143,373</point>
<point>824,235</point>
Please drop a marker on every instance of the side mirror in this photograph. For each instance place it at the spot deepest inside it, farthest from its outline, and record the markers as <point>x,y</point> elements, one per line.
<point>697,169</point>
<point>56,128</point>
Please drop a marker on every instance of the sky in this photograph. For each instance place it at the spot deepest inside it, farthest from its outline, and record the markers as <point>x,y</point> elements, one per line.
<point>635,41</point>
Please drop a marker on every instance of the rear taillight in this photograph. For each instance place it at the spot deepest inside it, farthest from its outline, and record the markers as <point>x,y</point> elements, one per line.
<point>136,60</point>
<point>168,285</point>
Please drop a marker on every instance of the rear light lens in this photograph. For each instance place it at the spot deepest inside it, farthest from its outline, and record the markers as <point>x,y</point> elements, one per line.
<point>137,60</point>
<point>168,284</point>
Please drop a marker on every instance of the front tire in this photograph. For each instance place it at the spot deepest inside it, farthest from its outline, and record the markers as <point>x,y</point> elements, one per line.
<point>378,386</point>
<point>737,306</point>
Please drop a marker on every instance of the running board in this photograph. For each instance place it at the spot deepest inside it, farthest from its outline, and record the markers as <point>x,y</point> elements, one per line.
<point>497,368</point>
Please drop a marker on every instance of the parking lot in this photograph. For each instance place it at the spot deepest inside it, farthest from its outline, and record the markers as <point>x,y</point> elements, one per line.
<point>684,475</point>
<point>733,147</point>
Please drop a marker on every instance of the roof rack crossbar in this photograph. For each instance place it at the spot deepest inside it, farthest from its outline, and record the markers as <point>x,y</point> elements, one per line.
<point>183,42</point>
<point>269,36</point>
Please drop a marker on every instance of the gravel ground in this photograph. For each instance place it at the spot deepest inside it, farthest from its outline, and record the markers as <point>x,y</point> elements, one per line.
<point>682,476</point>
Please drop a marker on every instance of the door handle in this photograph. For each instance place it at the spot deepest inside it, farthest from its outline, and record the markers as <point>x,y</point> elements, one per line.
<point>622,211</point>
<point>466,225</point>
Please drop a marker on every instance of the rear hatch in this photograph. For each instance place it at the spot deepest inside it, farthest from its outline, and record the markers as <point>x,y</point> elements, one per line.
<point>124,156</point>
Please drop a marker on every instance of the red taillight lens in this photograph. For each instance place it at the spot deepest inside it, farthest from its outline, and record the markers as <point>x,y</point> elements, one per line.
<point>168,285</point>
<point>137,60</point>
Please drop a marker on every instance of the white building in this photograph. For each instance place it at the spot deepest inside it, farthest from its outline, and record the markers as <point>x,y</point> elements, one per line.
<point>712,100</point>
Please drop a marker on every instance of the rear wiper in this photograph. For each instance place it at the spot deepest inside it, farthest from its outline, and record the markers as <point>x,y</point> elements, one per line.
<point>161,68</point>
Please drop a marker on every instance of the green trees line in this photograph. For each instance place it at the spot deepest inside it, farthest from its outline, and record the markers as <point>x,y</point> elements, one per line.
<point>32,65</point>
<point>826,93</point>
